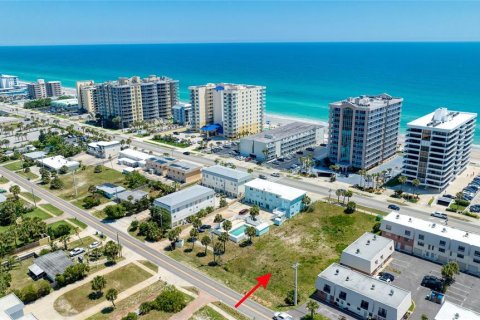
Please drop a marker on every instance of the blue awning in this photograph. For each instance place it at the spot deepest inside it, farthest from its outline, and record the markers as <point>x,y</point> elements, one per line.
<point>212,128</point>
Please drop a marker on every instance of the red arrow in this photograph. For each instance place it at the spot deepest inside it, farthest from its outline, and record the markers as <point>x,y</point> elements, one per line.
<point>261,281</point>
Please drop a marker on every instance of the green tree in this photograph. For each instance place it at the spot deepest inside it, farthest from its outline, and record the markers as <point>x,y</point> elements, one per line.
<point>112,250</point>
<point>351,207</point>
<point>415,184</point>
<point>254,212</point>
<point>56,184</point>
<point>306,201</point>
<point>115,211</point>
<point>227,225</point>
<point>15,190</point>
<point>449,270</point>
<point>170,300</point>
<point>402,180</point>
<point>130,316</point>
<point>135,179</point>
<point>63,170</point>
<point>217,250</point>
<point>223,238</point>
<point>312,306</point>
<point>339,193</point>
<point>206,242</point>
<point>193,236</point>
<point>223,202</point>
<point>348,194</point>
<point>112,295</point>
<point>45,174</point>
<point>5,280</point>
<point>64,239</point>
<point>250,232</point>
<point>98,284</point>
<point>218,218</point>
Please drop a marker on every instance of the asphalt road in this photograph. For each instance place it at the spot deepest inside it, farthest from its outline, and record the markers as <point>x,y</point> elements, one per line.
<point>371,202</point>
<point>228,296</point>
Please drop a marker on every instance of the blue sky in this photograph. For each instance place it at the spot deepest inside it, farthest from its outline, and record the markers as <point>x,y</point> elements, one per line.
<point>88,22</point>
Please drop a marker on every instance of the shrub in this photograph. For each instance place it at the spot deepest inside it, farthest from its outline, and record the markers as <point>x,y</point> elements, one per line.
<point>90,202</point>
<point>59,230</point>
<point>146,307</point>
<point>291,297</point>
<point>98,169</point>
<point>170,300</point>
<point>56,184</point>
<point>33,291</point>
<point>134,225</point>
<point>471,214</point>
<point>131,316</point>
<point>72,273</point>
<point>44,251</point>
<point>115,211</point>
<point>462,202</point>
<point>376,227</point>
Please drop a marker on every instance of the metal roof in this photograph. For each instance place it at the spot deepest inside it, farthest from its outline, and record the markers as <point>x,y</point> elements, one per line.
<point>285,192</point>
<point>136,195</point>
<point>53,263</point>
<point>282,132</point>
<point>184,196</point>
<point>227,173</point>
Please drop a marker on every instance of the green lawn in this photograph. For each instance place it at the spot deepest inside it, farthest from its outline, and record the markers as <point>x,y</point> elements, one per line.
<point>376,211</point>
<point>314,239</point>
<point>14,166</point>
<point>37,212</point>
<point>78,223</point>
<point>55,224</point>
<point>207,313</point>
<point>3,180</point>
<point>29,196</point>
<point>52,209</point>
<point>131,303</point>
<point>152,266</point>
<point>79,202</point>
<point>85,178</point>
<point>29,175</point>
<point>20,277</point>
<point>234,313</point>
<point>171,143</point>
<point>77,300</point>
<point>82,242</point>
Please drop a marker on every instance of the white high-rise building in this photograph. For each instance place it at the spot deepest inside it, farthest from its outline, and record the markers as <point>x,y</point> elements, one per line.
<point>438,146</point>
<point>238,108</point>
<point>37,90</point>
<point>8,81</point>
<point>86,96</point>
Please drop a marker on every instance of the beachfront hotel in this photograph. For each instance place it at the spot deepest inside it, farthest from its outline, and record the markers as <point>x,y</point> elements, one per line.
<point>364,130</point>
<point>8,81</point>
<point>232,109</point>
<point>438,146</point>
<point>86,96</point>
<point>182,113</point>
<point>135,99</point>
<point>282,141</point>
<point>41,89</point>
<point>53,88</point>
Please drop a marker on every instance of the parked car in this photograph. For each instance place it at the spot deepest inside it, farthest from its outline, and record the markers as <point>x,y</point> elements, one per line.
<point>187,153</point>
<point>262,176</point>
<point>76,252</point>
<point>433,283</point>
<point>275,174</point>
<point>475,208</point>
<point>310,149</point>
<point>385,276</point>
<point>243,211</point>
<point>299,152</point>
<point>94,244</point>
<point>282,316</point>
<point>205,227</point>
<point>440,215</point>
<point>3,190</point>
<point>393,207</point>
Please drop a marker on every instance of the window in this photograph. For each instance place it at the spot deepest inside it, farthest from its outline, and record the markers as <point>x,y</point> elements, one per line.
<point>476,260</point>
<point>459,255</point>
<point>388,227</point>
<point>477,253</point>
<point>343,295</point>
<point>461,248</point>
<point>441,249</point>
<point>407,232</point>
<point>382,312</point>
<point>364,305</point>
<point>420,244</point>
<point>421,237</point>
<point>326,288</point>
<point>442,243</point>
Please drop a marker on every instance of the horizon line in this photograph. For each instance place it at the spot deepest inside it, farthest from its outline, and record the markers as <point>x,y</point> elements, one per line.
<point>236,42</point>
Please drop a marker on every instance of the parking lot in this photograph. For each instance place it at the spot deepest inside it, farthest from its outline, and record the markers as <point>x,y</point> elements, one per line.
<point>409,272</point>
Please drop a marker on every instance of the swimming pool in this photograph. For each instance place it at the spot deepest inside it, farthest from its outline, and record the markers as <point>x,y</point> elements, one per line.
<point>239,231</point>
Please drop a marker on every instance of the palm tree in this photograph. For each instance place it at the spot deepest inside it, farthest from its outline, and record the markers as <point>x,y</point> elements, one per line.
<point>65,238</point>
<point>254,212</point>
<point>206,241</point>
<point>338,193</point>
<point>15,190</point>
<point>112,295</point>
<point>223,237</point>
<point>312,306</point>
<point>250,232</point>
<point>348,194</point>
<point>98,284</point>
<point>227,225</point>
<point>415,184</point>
<point>193,236</point>
<point>402,180</point>
<point>217,250</point>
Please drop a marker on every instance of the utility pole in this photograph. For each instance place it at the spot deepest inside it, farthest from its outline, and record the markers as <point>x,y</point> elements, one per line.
<point>75,184</point>
<point>33,194</point>
<point>120,248</point>
<point>295,292</point>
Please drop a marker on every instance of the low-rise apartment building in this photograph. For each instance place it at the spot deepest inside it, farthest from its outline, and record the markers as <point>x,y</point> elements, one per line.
<point>361,294</point>
<point>104,149</point>
<point>451,311</point>
<point>438,146</point>
<point>272,196</point>
<point>282,141</point>
<point>433,241</point>
<point>159,165</point>
<point>368,253</point>
<point>56,163</point>
<point>184,172</point>
<point>228,181</point>
<point>185,203</point>
<point>133,158</point>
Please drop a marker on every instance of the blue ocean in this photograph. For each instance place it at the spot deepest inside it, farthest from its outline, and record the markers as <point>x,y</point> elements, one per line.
<point>301,78</point>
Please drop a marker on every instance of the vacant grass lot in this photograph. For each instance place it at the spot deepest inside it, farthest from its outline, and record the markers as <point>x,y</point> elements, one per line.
<point>131,303</point>
<point>314,239</point>
<point>234,313</point>
<point>28,175</point>
<point>3,180</point>
<point>52,209</point>
<point>207,313</point>
<point>56,224</point>
<point>150,265</point>
<point>82,242</point>
<point>85,178</point>
<point>14,166</point>
<point>77,300</point>
<point>78,223</point>
<point>19,273</point>
<point>29,196</point>
<point>37,212</point>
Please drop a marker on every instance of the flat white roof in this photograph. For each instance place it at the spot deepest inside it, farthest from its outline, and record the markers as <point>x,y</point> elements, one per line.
<point>433,227</point>
<point>285,192</point>
<point>135,155</point>
<point>57,162</point>
<point>226,172</point>
<point>368,245</point>
<point>450,121</point>
<point>103,143</point>
<point>451,311</point>
<point>364,285</point>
